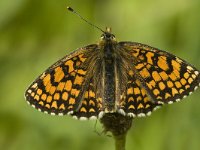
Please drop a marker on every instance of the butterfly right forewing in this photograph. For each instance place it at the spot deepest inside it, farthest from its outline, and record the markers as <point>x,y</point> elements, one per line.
<point>61,88</point>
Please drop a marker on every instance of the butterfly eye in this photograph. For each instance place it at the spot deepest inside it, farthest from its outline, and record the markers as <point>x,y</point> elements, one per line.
<point>113,37</point>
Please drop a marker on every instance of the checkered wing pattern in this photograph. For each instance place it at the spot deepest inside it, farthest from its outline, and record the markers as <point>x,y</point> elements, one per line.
<point>136,101</point>
<point>90,106</point>
<point>158,77</point>
<point>61,88</point>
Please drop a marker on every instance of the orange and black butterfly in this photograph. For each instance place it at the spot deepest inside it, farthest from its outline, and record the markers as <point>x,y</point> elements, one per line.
<point>129,78</point>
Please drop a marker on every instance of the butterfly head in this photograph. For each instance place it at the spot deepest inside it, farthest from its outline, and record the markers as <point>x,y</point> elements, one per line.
<point>108,36</point>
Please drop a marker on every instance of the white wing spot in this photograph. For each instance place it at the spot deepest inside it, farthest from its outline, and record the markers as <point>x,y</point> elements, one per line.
<point>74,117</point>
<point>60,114</point>
<point>45,112</point>
<point>101,114</point>
<point>34,85</point>
<point>189,68</point>
<point>157,107</point>
<point>141,115</point>
<point>121,111</point>
<point>196,72</point>
<point>131,115</point>
<point>83,118</point>
<point>159,102</point>
<point>93,118</point>
<point>196,87</point>
<point>70,112</point>
<point>52,113</point>
<point>149,113</point>
<point>170,102</point>
<point>184,96</point>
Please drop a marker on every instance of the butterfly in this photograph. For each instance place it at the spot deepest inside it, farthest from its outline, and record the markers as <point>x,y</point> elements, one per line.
<point>128,78</point>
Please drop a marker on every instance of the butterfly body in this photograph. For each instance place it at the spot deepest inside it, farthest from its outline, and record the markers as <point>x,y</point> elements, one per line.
<point>109,72</point>
<point>129,78</point>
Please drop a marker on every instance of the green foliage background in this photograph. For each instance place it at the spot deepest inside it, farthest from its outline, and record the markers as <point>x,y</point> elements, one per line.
<point>34,34</point>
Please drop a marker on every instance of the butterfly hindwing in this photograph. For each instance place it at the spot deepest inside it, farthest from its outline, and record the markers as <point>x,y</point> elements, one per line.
<point>136,100</point>
<point>90,106</point>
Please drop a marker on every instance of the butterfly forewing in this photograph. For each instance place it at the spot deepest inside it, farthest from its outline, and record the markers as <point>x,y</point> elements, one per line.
<point>60,89</point>
<point>165,77</point>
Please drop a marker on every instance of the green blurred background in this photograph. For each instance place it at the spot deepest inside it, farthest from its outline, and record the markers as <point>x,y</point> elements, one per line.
<point>34,34</point>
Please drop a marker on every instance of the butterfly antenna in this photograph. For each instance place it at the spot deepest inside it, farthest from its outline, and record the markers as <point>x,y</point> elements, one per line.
<point>73,11</point>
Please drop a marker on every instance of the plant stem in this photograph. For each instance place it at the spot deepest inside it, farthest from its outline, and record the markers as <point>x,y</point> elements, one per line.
<point>120,142</point>
<point>118,125</point>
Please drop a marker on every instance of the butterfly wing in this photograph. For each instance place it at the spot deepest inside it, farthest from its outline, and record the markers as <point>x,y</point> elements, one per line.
<point>136,101</point>
<point>91,105</point>
<point>159,77</point>
<point>65,86</point>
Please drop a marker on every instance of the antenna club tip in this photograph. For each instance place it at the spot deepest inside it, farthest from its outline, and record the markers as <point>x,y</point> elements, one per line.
<point>73,11</point>
<point>70,9</point>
